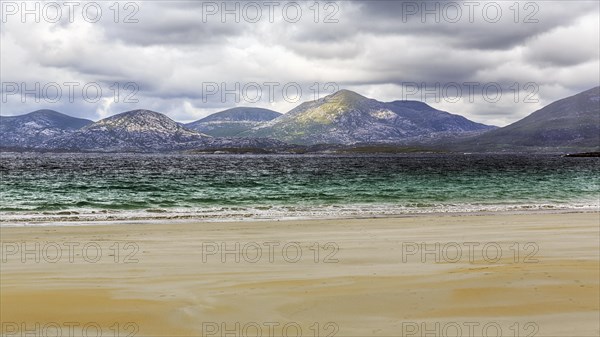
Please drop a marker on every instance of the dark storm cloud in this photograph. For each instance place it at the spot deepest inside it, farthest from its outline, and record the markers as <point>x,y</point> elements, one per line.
<point>469,24</point>
<point>162,23</point>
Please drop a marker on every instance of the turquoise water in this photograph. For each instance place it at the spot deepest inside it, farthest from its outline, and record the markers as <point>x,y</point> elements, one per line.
<point>84,187</point>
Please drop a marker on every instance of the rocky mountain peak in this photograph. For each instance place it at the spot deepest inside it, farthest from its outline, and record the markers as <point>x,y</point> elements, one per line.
<point>139,121</point>
<point>346,95</point>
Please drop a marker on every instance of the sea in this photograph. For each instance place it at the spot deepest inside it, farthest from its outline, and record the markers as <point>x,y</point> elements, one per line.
<point>51,188</point>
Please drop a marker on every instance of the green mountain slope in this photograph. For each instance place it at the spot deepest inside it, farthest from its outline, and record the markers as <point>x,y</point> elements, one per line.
<point>231,122</point>
<point>570,124</point>
<point>349,118</point>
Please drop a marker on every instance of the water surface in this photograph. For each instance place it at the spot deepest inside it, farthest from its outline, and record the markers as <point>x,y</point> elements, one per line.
<point>82,187</point>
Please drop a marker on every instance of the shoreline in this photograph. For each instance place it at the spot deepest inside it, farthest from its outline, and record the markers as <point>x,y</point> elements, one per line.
<point>195,219</point>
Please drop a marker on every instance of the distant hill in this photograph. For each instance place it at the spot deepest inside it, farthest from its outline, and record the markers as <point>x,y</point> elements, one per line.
<point>569,124</point>
<point>348,118</point>
<point>135,130</point>
<point>32,129</point>
<point>344,120</point>
<point>145,131</point>
<point>231,122</point>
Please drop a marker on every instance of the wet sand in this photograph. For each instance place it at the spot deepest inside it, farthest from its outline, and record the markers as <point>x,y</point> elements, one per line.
<point>525,275</point>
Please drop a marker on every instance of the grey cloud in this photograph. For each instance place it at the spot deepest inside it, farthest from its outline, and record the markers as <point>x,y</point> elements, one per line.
<point>559,48</point>
<point>170,53</point>
<point>395,16</point>
<point>171,26</point>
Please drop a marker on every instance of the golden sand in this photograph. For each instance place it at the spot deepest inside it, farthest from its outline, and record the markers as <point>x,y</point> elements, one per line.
<point>360,277</point>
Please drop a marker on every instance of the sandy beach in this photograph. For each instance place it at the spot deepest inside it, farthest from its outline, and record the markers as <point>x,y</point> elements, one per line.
<point>468,275</point>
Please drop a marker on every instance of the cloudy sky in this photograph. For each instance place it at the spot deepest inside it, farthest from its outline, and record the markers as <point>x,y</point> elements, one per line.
<point>493,62</point>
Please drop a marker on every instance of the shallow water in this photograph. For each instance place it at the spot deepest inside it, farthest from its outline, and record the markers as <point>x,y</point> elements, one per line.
<point>82,187</point>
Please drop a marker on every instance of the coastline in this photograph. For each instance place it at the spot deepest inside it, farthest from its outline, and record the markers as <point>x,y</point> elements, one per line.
<point>195,218</point>
<point>366,280</point>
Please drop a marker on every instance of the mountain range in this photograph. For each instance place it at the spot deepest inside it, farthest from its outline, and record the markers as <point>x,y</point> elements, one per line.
<point>348,118</point>
<point>32,129</point>
<point>128,131</point>
<point>339,121</point>
<point>569,124</point>
<point>132,131</point>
